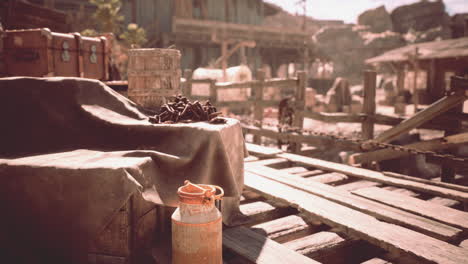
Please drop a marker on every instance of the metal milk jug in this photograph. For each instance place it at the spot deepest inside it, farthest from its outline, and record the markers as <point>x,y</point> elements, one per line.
<point>197,225</point>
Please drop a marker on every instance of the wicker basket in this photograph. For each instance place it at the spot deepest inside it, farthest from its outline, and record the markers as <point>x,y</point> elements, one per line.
<point>153,75</point>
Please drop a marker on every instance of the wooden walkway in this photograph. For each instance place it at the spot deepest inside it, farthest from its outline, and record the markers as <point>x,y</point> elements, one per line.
<point>306,210</point>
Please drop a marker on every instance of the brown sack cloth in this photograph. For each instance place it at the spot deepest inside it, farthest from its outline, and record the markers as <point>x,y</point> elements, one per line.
<point>72,151</point>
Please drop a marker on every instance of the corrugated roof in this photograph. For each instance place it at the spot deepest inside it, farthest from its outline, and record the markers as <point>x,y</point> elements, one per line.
<point>450,48</point>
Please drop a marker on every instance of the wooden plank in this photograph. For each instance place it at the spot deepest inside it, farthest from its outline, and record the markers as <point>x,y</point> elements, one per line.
<point>376,261</point>
<point>378,210</point>
<point>387,154</point>
<point>285,229</point>
<point>377,177</point>
<point>444,201</point>
<point>437,108</point>
<point>401,191</point>
<point>260,211</point>
<point>424,208</point>
<point>317,242</point>
<point>262,151</point>
<point>269,162</point>
<point>390,237</point>
<point>260,249</point>
<point>310,173</point>
<point>429,182</point>
<point>357,185</point>
<point>464,244</point>
<point>294,170</point>
<point>250,159</point>
<point>329,178</point>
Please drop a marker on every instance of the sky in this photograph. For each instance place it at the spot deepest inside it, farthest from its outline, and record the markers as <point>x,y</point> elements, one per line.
<point>349,10</point>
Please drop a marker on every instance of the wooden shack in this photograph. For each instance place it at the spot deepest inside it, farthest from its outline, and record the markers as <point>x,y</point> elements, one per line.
<point>427,66</point>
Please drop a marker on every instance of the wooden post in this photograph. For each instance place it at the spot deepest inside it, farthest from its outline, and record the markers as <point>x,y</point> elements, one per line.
<point>224,50</point>
<point>258,105</point>
<point>187,88</point>
<point>213,92</point>
<point>400,105</point>
<point>369,104</point>
<point>447,171</point>
<point>300,105</point>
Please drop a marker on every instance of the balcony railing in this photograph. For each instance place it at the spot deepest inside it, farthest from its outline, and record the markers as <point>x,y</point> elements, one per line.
<point>193,30</point>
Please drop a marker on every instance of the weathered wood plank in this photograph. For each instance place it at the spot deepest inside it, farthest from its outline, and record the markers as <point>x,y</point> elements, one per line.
<point>285,229</point>
<point>437,108</point>
<point>376,261</point>
<point>329,178</point>
<point>424,208</point>
<point>378,210</point>
<point>357,185</point>
<point>250,159</point>
<point>269,162</point>
<point>260,249</point>
<point>430,182</point>
<point>260,211</point>
<point>401,191</point>
<point>328,247</point>
<point>444,201</point>
<point>464,244</point>
<point>262,151</point>
<point>377,177</point>
<point>356,224</point>
<point>310,173</point>
<point>294,170</point>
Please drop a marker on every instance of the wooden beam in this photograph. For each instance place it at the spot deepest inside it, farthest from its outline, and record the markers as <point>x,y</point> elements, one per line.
<point>456,187</point>
<point>424,208</point>
<point>387,154</point>
<point>260,249</point>
<point>286,228</point>
<point>258,97</point>
<point>392,238</point>
<point>377,210</point>
<point>262,151</point>
<point>437,108</point>
<point>377,177</point>
<point>368,107</point>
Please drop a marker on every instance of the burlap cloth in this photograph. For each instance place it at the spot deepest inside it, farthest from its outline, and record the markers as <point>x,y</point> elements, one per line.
<point>73,151</point>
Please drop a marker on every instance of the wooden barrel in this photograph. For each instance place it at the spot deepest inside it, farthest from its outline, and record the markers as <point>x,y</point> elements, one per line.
<point>153,75</point>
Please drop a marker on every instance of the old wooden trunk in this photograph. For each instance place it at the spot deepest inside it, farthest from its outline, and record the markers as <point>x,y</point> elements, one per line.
<point>129,235</point>
<point>40,52</point>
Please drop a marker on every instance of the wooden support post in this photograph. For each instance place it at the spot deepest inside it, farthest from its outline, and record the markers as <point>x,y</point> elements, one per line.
<point>224,50</point>
<point>400,105</point>
<point>448,171</point>
<point>258,106</point>
<point>369,104</point>
<point>213,92</point>
<point>300,106</point>
<point>187,88</point>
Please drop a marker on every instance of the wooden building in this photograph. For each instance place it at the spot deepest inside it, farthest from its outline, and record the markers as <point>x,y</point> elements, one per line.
<point>429,65</point>
<point>201,29</point>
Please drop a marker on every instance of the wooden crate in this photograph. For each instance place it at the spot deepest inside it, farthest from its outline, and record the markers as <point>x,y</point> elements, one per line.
<point>129,235</point>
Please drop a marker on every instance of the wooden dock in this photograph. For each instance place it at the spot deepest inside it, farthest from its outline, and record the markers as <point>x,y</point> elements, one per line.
<point>306,210</point>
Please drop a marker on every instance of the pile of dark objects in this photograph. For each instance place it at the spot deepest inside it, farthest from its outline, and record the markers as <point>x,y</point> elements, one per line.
<point>181,110</point>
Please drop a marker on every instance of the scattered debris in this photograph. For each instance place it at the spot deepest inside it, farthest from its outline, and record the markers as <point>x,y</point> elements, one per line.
<point>181,110</point>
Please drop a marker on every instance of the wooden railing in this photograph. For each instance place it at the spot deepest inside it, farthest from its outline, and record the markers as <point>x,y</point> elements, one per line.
<point>256,102</point>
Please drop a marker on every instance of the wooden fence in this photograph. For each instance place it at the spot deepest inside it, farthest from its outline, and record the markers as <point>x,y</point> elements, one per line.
<point>445,114</point>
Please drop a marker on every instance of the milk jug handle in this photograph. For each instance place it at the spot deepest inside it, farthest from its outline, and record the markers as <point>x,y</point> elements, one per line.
<point>221,193</point>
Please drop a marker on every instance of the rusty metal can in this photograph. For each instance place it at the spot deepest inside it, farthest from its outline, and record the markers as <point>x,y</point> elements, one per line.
<point>197,225</point>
